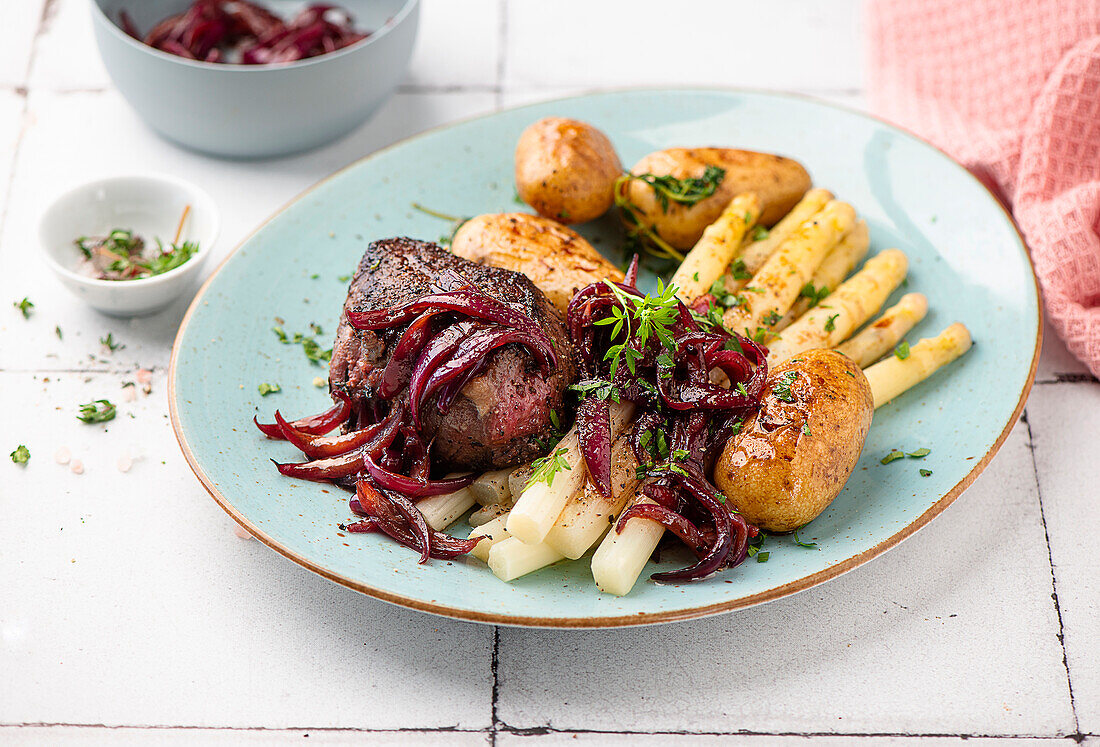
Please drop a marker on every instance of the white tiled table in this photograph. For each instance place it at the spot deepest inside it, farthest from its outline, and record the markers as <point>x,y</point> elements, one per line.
<point>129,611</point>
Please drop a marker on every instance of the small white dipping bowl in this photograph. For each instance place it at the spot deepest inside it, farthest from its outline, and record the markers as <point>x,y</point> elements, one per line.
<point>151,207</point>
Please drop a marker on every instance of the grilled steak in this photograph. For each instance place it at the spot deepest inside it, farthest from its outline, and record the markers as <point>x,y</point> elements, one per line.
<point>502,416</point>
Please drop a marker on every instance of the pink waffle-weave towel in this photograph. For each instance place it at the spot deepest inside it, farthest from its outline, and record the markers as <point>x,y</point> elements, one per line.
<point>1012,91</point>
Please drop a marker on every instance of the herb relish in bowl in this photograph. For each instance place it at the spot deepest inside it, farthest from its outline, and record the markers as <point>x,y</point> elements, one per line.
<point>129,245</point>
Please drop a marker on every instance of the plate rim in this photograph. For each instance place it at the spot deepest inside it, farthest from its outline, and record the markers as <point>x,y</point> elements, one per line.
<point>642,618</point>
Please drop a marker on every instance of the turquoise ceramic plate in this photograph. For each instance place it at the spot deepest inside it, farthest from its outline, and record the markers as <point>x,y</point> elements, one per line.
<point>966,256</point>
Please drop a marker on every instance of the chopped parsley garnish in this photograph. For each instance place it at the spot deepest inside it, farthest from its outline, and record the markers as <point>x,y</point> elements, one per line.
<point>925,472</point>
<point>902,350</point>
<point>344,278</point>
<point>97,411</point>
<point>738,271</point>
<point>21,454</point>
<point>690,191</point>
<point>313,350</point>
<point>641,237</point>
<point>892,456</point>
<point>57,331</point>
<point>759,233</point>
<point>756,548</point>
<point>596,388</point>
<point>771,318</point>
<point>548,466</point>
<point>24,307</point>
<point>782,388</point>
<point>830,323</point>
<point>266,389</point>
<point>812,294</point>
<point>109,342</point>
<point>757,336</point>
<point>806,429</point>
<point>919,453</point>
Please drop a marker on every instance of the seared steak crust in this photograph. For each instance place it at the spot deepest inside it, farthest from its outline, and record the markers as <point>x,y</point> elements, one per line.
<point>502,416</point>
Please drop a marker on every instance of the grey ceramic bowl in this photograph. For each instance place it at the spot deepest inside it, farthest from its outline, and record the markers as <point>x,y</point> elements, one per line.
<point>253,111</point>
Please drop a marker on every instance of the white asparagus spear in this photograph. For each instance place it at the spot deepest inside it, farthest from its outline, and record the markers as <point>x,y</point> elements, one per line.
<point>492,487</point>
<point>844,310</point>
<point>840,261</point>
<point>880,337</point>
<point>892,376</point>
<point>510,558</point>
<point>774,289</point>
<point>541,502</point>
<point>441,511</point>
<point>493,532</point>
<point>536,510</point>
<point>485,514</point>
<point>619,559</point>
<point>721,240</point>
<point>518,479</point>
<point>588,514</point>
<point>756,253</point>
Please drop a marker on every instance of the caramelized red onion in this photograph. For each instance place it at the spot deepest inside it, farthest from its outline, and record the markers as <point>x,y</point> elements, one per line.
<point>676,403</point>
<point>314,425</point>
<point>247,33</point>
<point>447,340</point>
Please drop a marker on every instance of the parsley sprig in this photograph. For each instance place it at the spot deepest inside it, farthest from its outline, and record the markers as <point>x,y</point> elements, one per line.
<point>668,190</point>
<point>546,467</point>
<point>640,318</point>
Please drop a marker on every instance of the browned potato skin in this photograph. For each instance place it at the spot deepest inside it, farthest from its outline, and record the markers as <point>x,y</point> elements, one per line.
<point>566,170</point>
<point>780,477</point>
<point>557,259</point>
<point>778,182</point>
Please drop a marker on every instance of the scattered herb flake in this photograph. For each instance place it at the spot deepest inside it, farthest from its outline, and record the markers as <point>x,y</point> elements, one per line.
<point>892,456</point>
<point>57,331</point>
<point>901,352</point>
<point>830,323</point>
<point>925,472</point>
<point>21,454</point>
<point>97,411</point>
<point>762,557</point>
<point>24,307</point>
<point>266,389</point>
<point>759,233</point>
<point>812,294</point>
<point>798,541</point>
<point>919,453</point>
<point>109,342</point>
<point>782,388</point>
<point>344,278</point>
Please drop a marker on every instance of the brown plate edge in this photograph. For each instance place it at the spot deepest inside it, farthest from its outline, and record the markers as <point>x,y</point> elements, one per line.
<point>778,592</point>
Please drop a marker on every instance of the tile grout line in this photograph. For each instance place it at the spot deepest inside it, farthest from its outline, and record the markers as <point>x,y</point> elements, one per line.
<point>537,731</point>
<point>1053,579</point>
<point>494,664</point>
<point>24,91</point>
<point>502,52</point>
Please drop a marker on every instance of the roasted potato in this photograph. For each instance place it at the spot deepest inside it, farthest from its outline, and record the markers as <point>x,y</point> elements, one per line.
<point>778,182</point>
<point>566,170</point>
<point>556,258</point>
<point>794,455</point>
